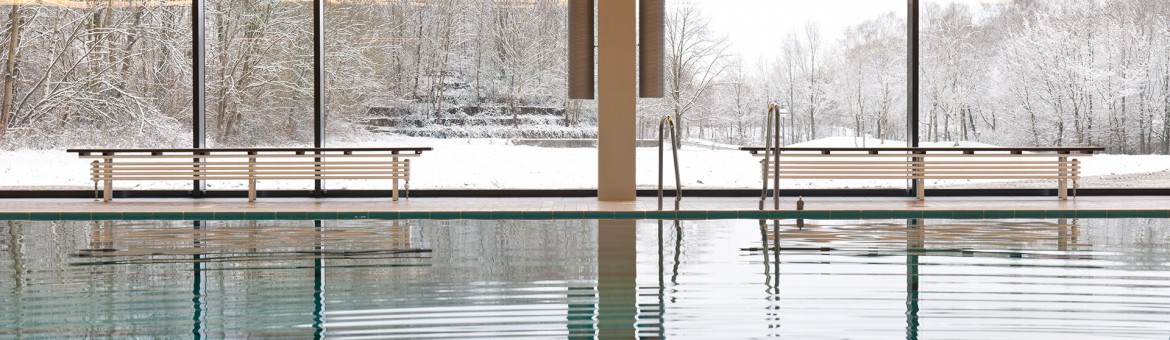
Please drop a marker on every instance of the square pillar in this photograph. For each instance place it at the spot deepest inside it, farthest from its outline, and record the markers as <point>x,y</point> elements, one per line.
<point>616,99</point>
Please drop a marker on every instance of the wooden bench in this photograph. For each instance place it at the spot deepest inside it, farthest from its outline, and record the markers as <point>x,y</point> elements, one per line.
<point>251,165</point>
<point>919,164</point>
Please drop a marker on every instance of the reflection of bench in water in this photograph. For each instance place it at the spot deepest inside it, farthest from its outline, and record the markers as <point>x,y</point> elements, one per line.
<point>920,164</point>
<point>935,237</point>
<point>250,165</point>
<point>226,241</point>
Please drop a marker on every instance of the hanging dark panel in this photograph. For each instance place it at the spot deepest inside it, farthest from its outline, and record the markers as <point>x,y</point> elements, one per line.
<point>581,61</point>
<point>652,45</point>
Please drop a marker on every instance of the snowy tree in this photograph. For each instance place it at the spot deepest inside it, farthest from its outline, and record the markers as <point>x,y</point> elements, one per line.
<point>695,59</point>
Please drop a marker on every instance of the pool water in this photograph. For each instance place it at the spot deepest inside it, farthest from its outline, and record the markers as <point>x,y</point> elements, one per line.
<point>879,279</point>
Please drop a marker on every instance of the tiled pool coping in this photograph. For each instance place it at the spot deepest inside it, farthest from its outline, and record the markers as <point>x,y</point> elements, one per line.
<point>563,215</point>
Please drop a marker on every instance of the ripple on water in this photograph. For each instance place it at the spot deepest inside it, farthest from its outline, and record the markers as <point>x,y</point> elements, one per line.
<point>546,279</point>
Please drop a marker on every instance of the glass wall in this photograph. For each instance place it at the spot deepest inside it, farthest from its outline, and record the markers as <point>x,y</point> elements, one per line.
<point>837,68</point>
<point>259,79</point>
<point>109,74</point>
<point>1052,73</point>
<point>481,81</point>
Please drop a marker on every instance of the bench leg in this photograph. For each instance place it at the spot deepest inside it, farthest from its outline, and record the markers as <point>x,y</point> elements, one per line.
<point>394,191</point>
<point>251,190</point>
<point>1063,191</point>
<point>920,189</point>
<point>107,191</point>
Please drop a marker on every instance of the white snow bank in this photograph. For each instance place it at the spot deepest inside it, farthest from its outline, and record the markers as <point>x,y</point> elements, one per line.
<point>496,164</point>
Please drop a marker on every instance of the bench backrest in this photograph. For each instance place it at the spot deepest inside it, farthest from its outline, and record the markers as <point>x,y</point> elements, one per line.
<point>249,164</point>
<point>923,163</point>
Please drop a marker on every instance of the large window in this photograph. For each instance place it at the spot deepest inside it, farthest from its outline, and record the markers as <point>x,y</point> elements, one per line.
<point>839,74</point>
<point>259,79</point>
<point>1052,73</point>
<point>481,81</point>
<point>101,75</point>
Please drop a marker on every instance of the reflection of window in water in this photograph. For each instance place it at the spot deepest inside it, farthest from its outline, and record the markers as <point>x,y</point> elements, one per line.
<point>230,241</point>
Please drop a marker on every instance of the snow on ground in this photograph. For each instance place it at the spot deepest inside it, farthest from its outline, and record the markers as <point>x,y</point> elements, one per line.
<point>497,164</point>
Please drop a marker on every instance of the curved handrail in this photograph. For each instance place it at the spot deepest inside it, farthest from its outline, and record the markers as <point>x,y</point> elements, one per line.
<point>674,151</point>
<point>769,135</point>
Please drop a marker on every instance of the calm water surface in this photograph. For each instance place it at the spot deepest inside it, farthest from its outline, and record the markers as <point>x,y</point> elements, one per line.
<point>896,279</point>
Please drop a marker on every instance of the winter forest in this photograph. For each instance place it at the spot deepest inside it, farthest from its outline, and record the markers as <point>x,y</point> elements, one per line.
<point>1020,73</point>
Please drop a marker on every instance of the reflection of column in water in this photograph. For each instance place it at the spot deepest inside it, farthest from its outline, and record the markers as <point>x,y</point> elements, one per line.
<point>616,282</point>
<point>915,244</point>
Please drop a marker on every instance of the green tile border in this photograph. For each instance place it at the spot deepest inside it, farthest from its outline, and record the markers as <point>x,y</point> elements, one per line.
<point>629,215</point>
<point>14,216</point>
<point>845,214</point>
<point>507,215</point>
<point>749,214</point>
<point>475,215</point>
<point>353,215</point>
<point>139,216</point>
<point>563,215</point>
<point>598,215</point>
<point>169,216</point>
<point>77,216</point>
<point>291,215</point>
<point>1029,214</point>
<point>722,215</point>
<point>200,216</point>
<point>967,214</point>
<point>536,215</point>
<point>997,214</point>
<point>1153,213</point>
<point>453,215</point>
<point>321,215</point>
<point>229,216</point>
<point>411,215</point>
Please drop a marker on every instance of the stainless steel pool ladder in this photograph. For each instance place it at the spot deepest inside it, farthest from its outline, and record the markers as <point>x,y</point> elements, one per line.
<point>771,158</point>
<point>674,152</point>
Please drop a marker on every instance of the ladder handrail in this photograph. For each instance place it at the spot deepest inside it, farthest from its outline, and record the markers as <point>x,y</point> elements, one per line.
<point>674,151</point>
<point>769,121</point>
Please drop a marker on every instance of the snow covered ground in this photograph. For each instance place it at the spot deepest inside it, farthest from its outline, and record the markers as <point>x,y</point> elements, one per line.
<point>497,164</point>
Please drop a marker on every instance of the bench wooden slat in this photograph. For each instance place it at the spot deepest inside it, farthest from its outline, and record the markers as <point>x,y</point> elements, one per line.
<point>257,167</point>
<point>249,165</point>
<point>906,155</point>
<point>383,162</point>
<point>935,167</point>
<point>930,178</point>
<point>289,156</point>
<point>246,178</point>
<point>920,164</point>
<point>787,163</point>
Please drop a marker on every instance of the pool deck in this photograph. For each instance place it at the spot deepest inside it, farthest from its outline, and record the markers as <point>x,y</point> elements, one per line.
<point>693,208</point>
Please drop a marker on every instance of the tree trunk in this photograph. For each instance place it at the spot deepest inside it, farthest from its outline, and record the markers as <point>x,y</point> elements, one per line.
<point>10,69</point>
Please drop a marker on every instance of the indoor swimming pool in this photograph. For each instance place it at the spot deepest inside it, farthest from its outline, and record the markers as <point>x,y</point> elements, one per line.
<point>424,278</point>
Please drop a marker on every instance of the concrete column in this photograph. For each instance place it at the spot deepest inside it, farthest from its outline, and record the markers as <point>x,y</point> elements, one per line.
<point>616,99</point>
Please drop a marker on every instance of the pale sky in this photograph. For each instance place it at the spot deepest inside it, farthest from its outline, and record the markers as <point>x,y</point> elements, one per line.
<point>756,27</point>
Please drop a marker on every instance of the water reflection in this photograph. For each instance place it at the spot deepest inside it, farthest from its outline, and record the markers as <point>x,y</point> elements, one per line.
<point>586,279</point>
